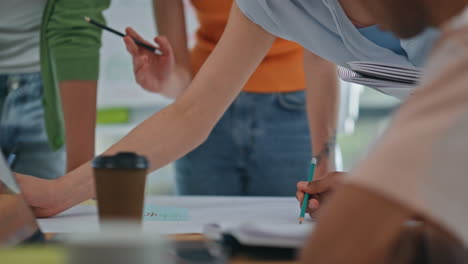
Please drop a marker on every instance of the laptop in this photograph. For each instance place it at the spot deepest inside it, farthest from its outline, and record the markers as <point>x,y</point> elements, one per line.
<point>17,222</point>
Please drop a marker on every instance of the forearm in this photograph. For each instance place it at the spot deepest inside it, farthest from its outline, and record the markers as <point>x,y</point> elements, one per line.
<point>179,81</point>
<point>79,110</point>
<point>162,138</point>
<point>322,105</point>
<point>170,22</point>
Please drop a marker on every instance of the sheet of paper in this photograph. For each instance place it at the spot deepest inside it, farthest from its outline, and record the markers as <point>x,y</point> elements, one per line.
<point>201,210</point>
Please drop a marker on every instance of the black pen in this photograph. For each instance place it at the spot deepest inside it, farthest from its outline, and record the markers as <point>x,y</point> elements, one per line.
<point>97,24</point>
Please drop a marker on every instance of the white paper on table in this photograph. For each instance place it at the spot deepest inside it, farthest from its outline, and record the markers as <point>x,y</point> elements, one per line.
<point>202,210</point>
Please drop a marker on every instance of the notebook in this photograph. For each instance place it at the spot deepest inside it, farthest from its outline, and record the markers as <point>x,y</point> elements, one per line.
<point>394,80</point>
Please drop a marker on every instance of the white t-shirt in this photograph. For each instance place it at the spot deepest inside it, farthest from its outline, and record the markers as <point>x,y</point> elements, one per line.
<point>20,22</point>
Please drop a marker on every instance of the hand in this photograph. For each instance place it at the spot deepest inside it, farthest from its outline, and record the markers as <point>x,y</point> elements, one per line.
<point>39,194</point>
<point>318,189</point>
<point>152,72</point>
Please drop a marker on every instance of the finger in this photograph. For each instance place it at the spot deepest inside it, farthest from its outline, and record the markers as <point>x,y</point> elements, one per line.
<point>301,185</point>
<point>131,46</point>
<point>314,204</point>
<point>313,207</point>
<point>314,187</point>
<point>133,34</point>
<point>164,45</point>
<point>299,196</point>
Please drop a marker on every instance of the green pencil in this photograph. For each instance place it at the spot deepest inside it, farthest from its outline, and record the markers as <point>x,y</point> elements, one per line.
<point>305,202</point>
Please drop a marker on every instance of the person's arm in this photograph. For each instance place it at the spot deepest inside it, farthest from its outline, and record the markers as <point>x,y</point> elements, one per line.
<point>170,22</point>
<point>322,108</point>
<point>72,61</point>
<point>182,126</point>
<point>79,111</point>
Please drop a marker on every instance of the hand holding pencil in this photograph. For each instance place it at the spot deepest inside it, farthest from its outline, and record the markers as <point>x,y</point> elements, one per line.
<point>153,72</point>
<point>305,201</point>
<point>318,190</point>
<point>153,64</point>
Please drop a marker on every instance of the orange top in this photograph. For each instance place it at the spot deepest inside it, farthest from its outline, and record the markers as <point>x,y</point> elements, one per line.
<point>280,71</point>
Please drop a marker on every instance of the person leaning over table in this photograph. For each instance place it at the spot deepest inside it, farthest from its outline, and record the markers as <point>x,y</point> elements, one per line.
<point>336,31</point>
<point>419,168</point>
<point>49,59</point>
<point>266,125</point>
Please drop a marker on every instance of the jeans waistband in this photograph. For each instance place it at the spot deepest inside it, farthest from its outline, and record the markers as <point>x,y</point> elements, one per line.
<point>13,81</point>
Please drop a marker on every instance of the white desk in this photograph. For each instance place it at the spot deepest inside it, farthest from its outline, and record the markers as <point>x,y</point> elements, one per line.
<point>202,210</point>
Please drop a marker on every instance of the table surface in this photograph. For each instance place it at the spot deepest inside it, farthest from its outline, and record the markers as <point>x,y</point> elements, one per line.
<point>202,210</point>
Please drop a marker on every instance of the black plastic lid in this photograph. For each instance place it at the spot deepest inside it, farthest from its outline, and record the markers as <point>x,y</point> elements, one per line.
<point>123,160</point>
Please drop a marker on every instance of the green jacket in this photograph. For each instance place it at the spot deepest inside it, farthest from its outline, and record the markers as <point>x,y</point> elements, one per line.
<point>69,50</point>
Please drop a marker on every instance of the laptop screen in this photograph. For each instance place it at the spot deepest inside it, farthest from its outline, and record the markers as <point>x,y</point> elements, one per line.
<point>17,222</point>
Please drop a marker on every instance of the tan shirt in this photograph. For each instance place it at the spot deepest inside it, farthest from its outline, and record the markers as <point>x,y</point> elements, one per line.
<point>422,159</point>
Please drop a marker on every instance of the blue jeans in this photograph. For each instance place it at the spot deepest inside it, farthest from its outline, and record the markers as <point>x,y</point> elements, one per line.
<point>22,128</point>
<point>261,146</point>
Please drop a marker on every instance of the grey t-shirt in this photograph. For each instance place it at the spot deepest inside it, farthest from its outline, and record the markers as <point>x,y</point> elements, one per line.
<point>20,22</point>
<point>322,27</point>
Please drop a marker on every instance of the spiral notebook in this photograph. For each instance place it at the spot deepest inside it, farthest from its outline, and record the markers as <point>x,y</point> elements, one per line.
<point>394,80</point>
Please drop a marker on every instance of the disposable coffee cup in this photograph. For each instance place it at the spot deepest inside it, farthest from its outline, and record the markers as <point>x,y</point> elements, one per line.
<point>120,186</point>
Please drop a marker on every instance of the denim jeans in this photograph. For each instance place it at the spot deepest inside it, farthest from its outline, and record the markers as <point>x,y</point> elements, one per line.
<point>22,128</point>
<point>261,146</point>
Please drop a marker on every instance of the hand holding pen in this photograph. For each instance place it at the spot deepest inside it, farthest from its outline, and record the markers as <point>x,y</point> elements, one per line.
<point>153,64</point>
<point>318,190</point>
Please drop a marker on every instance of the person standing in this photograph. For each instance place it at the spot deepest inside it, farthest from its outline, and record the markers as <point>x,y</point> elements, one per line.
<point>49,58</point>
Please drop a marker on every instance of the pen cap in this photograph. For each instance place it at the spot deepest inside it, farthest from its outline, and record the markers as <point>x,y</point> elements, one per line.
<point>122,160</point>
